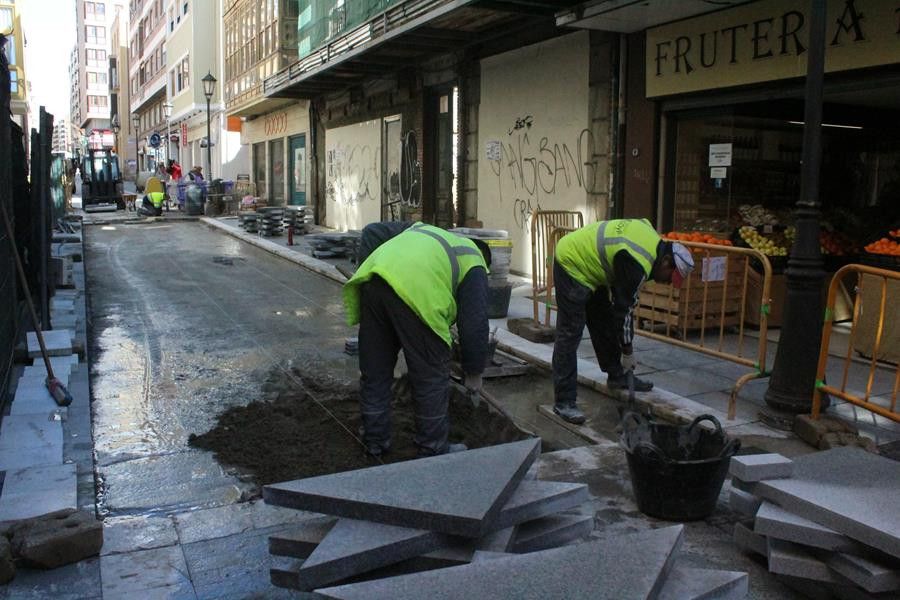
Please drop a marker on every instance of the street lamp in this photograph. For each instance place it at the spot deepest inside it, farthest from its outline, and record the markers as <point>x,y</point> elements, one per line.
<point>794,373</point>
<point>209,86</point>
<point>116,127</point>
<point>167,112</point>
<point>135,126</point>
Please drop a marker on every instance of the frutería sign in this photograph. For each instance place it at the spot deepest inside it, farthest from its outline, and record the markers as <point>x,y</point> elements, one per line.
<point>765,41</point>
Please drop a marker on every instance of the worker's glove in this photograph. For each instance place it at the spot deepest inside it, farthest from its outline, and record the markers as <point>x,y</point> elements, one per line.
<point>473,383</point>
<point>629,362</point>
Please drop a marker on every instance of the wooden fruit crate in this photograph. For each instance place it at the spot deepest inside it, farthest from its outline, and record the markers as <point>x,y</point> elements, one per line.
<point>661,306</point>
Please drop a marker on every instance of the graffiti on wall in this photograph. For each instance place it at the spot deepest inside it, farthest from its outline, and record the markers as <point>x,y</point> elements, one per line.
<point>353,173</point>
<point>532,168</point>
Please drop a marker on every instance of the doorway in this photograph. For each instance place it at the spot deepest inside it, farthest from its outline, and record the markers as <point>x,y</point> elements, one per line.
<point>298,170</point>
<point>441,150</point>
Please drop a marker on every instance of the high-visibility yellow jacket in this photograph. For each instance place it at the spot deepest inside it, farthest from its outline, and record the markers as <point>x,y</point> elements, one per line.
<point>423,265</point>
<point>587,254</point>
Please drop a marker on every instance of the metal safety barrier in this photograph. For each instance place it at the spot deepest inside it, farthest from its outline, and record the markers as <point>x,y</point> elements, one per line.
<point>713,307</point>
<point>543,223</point>
<point>869,308</point>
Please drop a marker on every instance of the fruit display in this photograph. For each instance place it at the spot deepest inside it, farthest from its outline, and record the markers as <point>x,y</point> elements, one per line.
<point>756,215</point>
<point>834,243</point>
<point>884,246</point>
<point>770,244</point>
<point>697,236</point>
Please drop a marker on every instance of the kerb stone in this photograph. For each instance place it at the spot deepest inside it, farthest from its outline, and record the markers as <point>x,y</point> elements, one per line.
<point>743,503</point>
<point>774,521</point>
<point>870,575</point>
<point>787,558</point>
<point>704,584</point>
<point>552,531</point>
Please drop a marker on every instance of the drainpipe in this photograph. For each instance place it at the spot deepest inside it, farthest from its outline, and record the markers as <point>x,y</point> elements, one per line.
<point>617,168</point>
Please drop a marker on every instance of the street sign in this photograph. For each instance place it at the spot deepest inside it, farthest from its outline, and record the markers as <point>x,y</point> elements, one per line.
<point>155,140</point>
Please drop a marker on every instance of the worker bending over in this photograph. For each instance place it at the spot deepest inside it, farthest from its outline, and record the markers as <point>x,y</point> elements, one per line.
<point>407,294</point>
<point>598,272</point>
<point>152,203</point>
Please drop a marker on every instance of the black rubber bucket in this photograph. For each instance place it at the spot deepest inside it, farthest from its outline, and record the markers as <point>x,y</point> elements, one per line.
<point>498,301</point>
<point>677,471</point>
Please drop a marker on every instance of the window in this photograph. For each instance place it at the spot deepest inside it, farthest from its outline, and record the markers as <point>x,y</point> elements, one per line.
<point>11,49</point>
<point>97,102</point>
<point>13,82</point>
<point>95,34</point>
<point>185,8</point>
<point>6,19</point>
<point>100,9</point>
<point>96,80</point>
<point>95,58</point>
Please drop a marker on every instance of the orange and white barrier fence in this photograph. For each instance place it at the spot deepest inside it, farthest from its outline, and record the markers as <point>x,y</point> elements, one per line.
<point>711,311</point>
<point>543,224</point>
<point>874,331</point>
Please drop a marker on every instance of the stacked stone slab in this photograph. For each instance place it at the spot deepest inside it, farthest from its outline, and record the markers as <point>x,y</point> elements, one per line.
<point>415,529</point>
<point>249,221</point>
<point>827,523</point>
<point>334,245</point>
<point>299,218</point>
<point>271,218</point>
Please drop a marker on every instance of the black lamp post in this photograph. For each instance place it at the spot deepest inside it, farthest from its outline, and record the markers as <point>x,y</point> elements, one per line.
<point>116,127</point>
<point>135,125</point>
<point>209,87</point>
<point>167,113</point>
<point>793,376</point>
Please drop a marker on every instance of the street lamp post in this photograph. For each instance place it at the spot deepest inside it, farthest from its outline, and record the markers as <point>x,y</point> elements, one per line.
<point>793,375</point>
<point>167,112</point>
<point>116,127</point>
<point>135,125</point>
<point>209,87</point>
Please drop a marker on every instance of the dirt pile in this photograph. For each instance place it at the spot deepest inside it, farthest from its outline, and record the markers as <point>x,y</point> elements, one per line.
<point>310,427</point>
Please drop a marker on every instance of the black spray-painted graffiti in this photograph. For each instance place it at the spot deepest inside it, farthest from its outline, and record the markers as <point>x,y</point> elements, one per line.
<point>529,172</point>
<point>522,211</point>
<point>522,123</point>
<point>353,173</point>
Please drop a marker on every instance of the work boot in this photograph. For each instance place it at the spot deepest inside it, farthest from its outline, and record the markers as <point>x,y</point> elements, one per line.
<point>620,382</point>
<point>376,450</point>
<point>570,413</point>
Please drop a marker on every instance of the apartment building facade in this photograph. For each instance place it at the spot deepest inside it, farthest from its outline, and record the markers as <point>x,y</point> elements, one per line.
<point>93,19</point>
<point>74,98</point>
<point>120,113</point>
<point>62,136</point>
<point>259,40</point>
<point>147,29</point>
<point>11,27</point>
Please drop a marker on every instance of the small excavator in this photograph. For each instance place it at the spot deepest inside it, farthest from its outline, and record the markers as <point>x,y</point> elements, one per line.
<point>101,182</point>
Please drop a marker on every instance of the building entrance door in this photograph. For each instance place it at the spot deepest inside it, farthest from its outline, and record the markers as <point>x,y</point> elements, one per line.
<point>298,170</point>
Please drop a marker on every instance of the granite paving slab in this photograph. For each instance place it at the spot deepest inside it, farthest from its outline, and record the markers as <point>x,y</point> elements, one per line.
<point>352,547</point>
<point>757,467</point>
<point>58,343</point>
<point>30,440</point>
<point>871,575</point>
<point>37,491</point>
<point>743,503</point>
<point>749,541</point>
<point>787,558</point>
<point>552,531</point>
<point>59,364</point>
<point>704,584</point>
<point>774,521</point>
<point>128,534</point>
<point>447,494</point>
<point>30,400</point>
<point>622,568</point>
<point>158,572</point>
<point>76,581</point>
<point>299,541</point>
<point>847,489</point>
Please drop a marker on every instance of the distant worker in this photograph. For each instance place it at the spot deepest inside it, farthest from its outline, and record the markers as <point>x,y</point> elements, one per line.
<point>196,174</point>
<point>405,295</point>
<point>598,272</point>
<point>152,204</point>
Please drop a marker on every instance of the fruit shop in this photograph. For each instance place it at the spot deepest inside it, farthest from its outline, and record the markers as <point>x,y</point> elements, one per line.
<point>730,131</point>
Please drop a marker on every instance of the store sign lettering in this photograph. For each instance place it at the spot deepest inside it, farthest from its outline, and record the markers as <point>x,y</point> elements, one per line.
<point>763,40</point>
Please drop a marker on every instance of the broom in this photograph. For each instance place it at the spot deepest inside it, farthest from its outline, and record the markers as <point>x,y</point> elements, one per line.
<point>57,390</point>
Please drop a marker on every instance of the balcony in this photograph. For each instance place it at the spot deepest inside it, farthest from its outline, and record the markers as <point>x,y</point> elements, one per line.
<point>352,41</point>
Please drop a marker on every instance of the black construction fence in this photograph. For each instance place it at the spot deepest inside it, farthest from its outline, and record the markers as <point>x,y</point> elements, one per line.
<point>27,203</point>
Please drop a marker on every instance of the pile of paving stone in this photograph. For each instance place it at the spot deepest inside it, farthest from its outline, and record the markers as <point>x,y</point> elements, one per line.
<point>271,218</point>
<point>299,218</point>
<point>471,525</point>
<point>249,221</point>
<point>334,245</point>
<point>827,523</point>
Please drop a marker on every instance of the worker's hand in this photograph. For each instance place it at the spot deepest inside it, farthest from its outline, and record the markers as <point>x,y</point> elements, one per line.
<point>473,382</point>
<point>629,362</point>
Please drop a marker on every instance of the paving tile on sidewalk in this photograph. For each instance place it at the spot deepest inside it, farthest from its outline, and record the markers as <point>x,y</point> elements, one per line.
<point>77,581</point>
<point>130,534</point>
<point>159,572</point>
<point>37,491</point>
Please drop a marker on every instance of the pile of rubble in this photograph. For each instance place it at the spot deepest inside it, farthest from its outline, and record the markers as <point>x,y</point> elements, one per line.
<point>472,525</point>
<point>827,523</point>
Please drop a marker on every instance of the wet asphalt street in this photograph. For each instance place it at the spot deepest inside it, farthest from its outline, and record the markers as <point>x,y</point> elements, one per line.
<point>184,323</point>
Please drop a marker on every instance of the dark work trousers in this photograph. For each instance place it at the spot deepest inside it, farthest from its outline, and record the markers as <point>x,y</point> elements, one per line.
<point>386,325</point>
<point>577,304</point>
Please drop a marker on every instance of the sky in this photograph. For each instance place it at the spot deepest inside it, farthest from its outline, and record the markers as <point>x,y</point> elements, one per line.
<point>50,36</point>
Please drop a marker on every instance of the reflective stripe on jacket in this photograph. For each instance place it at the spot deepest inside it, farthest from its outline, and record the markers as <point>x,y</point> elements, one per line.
<point>423,265</point>
<point>587,254</point>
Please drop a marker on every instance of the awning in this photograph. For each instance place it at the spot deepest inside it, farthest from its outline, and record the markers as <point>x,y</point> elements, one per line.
<point>629,16</point>
<point>409,33</point>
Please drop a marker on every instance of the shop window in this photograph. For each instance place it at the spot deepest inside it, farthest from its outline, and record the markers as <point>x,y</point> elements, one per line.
<point>276,158</point>
<point>259,168</point>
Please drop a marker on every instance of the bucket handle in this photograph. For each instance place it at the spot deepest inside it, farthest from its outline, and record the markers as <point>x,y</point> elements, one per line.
<point>632,416</point>
<point>731,448</point>
<point>709,418</point>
